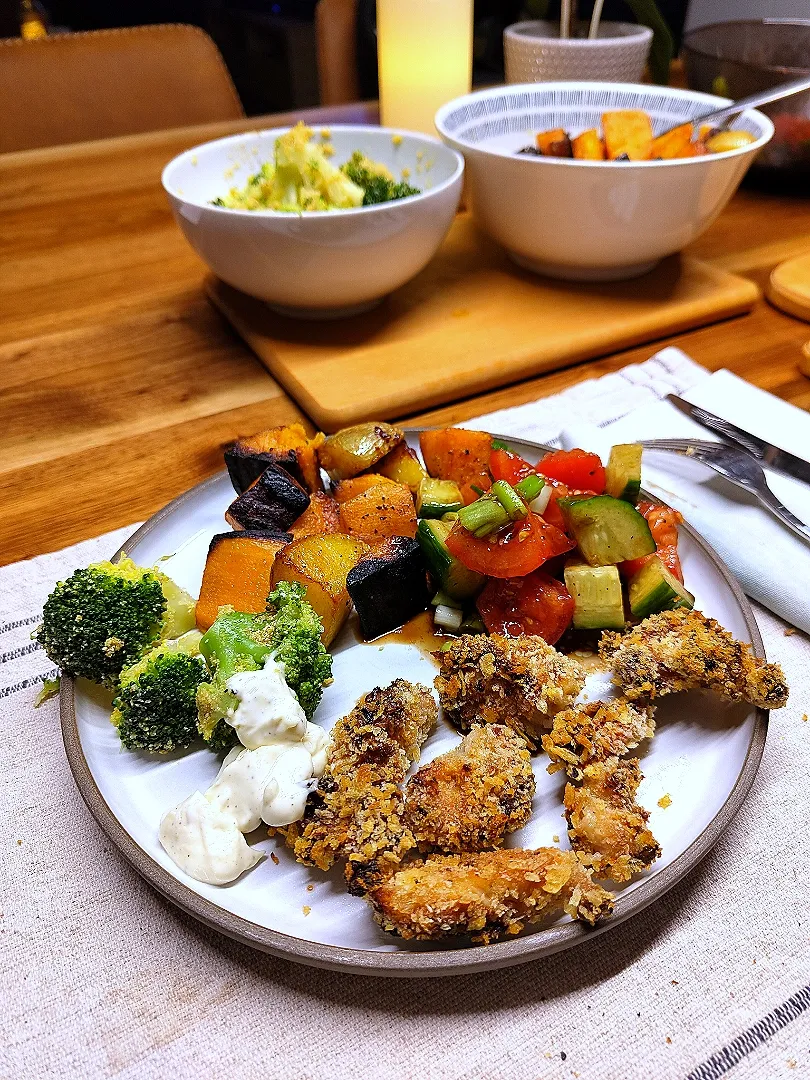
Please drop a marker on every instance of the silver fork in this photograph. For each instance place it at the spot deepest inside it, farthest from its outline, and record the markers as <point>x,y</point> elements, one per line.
<point>739,468</point>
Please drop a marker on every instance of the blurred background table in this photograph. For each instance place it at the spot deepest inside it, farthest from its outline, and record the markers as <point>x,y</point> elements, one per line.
<point>119,383</point>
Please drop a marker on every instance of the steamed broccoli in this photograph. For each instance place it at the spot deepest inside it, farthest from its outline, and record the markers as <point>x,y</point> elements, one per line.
<point>103,618</point>
<point>156,705</point>
<point>290,630</point>
<point>378,184</point>
<point>296,642</point>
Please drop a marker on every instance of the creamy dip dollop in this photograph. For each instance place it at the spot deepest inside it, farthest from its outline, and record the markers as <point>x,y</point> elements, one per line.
<point>266,779</point>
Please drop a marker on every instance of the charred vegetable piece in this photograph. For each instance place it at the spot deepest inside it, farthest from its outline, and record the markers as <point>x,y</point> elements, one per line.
<point>237,572</point>
<point>320,517</point>
<point>389,586</point>
<point>271,504</point>
<point>627,131</point>
<point>460,455</point>
<point>321,564</point>
<point>290,447</point>
<point>403,466</point>
<point>355,449</point>
<point>384,510</point>
<point>554,143</point>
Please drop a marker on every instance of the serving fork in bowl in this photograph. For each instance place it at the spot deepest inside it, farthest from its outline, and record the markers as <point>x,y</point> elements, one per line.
<point>739,468</point>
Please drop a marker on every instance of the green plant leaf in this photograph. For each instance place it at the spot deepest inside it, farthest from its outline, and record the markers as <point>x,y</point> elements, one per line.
<point>663,47</point>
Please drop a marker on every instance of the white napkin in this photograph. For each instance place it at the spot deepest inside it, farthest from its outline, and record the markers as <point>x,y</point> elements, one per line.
<point>771,564</point>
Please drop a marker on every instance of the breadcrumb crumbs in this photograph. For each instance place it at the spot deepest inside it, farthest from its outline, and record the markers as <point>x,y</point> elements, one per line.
<point>669,1041</point>
<point>310,887</point>
<point>664,802</point>
<point>555,838</point>
<point>790,631</point>
<point>275,858</point>
<point>306,909</point>
<point>804,717</point>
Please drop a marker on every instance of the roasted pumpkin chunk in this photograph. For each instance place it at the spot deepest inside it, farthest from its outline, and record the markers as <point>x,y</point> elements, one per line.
<point>238,572</point>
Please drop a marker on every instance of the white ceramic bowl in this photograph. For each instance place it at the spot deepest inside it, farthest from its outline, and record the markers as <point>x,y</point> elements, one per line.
<point>589,220</point>
<point>316,264</point>
<point>535,52</point>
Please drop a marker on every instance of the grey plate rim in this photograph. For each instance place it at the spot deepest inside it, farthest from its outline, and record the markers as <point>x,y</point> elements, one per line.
<point>461,960</point>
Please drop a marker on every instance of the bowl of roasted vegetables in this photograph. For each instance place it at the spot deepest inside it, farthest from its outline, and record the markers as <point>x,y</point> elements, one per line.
<point>339,709</point>
<point>582,181</point>
<point>319,222</point>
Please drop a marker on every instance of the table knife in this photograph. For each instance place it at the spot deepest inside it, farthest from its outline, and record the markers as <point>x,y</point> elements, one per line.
<point>772,457</point>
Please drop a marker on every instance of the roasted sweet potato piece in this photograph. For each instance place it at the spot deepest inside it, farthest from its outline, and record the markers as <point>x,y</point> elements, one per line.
<point>389,586</point>
<point>403,466</point>
<point>383,510</point>
<point>352,450</point>
<point>319,518</point>
<point>238,572</point>
<point>554,143</point>
<point>627,131</point>
<point>321,564</point>
<point>673,144</point>
<point>588,146</point>
<point>460,455</point>
<point>356,485</point>
<point>288,446</point>
<point>271,504</point>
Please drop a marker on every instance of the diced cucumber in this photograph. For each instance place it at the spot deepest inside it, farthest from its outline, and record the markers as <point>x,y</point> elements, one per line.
<point>607,530</point>
<point>653,588</point>
<point>451,575</point>
<point>597,595</point>
<point>623,472</point>
<point>434,498</point>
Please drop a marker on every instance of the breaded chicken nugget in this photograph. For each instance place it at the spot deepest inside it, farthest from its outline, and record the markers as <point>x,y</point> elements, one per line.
<point>520,682</point>
<point>488,895</point>
<point>469,798</point>
<point>356,810</point>
<point>686,650</point>
<point>596,731</point>
<point>606,826</point>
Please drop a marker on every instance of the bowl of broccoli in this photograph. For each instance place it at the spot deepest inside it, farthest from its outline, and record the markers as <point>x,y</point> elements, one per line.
<point>319,224</point>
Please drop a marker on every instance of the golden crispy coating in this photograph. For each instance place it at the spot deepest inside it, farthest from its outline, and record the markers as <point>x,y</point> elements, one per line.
<point>596,731</point>
<point>521,682</point>
<point>606,826</point>
<point>488,895</point>
<point>469,798</point>
<point>686,650</point>
<point>356,811</point>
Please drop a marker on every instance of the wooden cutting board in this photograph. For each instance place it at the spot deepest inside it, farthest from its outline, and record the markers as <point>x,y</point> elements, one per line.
<point>471,321</point>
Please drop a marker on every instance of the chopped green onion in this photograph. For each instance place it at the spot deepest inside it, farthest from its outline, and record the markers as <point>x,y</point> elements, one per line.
<point>441,598</point>
<point>478,491</point>
<point>499,444</point>
<point>448,618</point>
<point>451,515</point>
<point>509,500</point>
<point>530,487</point>
<point>483,516</point>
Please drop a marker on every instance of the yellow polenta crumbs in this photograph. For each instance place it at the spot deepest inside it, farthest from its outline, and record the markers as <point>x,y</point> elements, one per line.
<point>664,802</point>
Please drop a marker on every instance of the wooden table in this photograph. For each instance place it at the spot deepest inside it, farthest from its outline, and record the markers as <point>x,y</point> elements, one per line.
<point>120,383</point>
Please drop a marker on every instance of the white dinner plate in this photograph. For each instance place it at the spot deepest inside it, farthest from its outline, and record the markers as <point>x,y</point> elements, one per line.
<point>704,756</point>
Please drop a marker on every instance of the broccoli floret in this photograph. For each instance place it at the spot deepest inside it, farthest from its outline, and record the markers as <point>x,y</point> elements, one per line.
<point>376,181</point>
<point>156,705</point>
<point>103,618</point>
<point>290,630</point>
<point>296,641</point>
<point>232,644</point>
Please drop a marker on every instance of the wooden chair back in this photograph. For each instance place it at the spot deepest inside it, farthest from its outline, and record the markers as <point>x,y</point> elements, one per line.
<point>336,39</point>
<point>75,87</point>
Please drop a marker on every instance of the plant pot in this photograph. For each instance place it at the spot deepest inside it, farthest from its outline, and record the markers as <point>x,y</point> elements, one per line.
<point>535,52</point>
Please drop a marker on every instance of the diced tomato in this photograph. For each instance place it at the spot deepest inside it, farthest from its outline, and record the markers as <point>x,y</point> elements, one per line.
<point>577,468</point>
<point>535,604</point>
<point>514,551</point>
<point>504,465</point>
<point>663,522</point>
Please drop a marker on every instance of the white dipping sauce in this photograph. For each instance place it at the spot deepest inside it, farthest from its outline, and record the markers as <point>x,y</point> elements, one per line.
<point>267,780</point>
